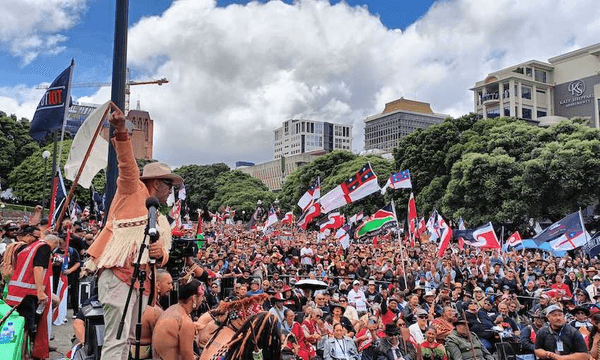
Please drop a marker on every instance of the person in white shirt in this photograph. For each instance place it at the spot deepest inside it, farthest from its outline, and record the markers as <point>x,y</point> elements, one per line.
<point>306,256</point>
<point>594,288</point>
<point>417,330</point>
<point>357,298</point>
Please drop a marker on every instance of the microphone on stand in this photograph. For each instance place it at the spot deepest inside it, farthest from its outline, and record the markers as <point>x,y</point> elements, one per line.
<point>152,206</point>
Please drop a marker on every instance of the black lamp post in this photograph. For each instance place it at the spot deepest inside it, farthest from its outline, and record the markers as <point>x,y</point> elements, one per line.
<point>45,155</point>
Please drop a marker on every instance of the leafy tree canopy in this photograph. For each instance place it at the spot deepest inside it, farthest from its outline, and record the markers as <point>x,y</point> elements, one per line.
<point>27,179</point>
<point>15,144</point>
<point>200,183</point>
<point>502,170</point>
<point>241,192</point>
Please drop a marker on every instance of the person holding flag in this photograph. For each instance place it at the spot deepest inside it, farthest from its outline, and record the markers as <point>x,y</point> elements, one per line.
<point>116,247</point>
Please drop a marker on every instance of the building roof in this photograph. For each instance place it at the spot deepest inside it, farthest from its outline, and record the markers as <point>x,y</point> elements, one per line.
<point>588,50</point>
<point>406,104</point>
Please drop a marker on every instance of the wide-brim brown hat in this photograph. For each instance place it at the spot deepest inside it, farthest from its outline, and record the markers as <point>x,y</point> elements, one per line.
<point>159,170</point>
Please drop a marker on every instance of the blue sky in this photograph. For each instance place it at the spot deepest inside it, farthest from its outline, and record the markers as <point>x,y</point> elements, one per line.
<point>90,42</point>
<point>237,70</point>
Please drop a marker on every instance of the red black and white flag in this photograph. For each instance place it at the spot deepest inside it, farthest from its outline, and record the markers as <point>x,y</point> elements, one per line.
<point>309,215</point>
<point>288,218</point>
<point>332,221</point>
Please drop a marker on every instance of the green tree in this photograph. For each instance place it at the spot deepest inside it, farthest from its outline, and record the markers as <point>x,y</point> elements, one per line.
<point>27,179</point>
<point>200,183</point>
<point>15,144</point>
<point>241,192</point>
<point>502,170</point>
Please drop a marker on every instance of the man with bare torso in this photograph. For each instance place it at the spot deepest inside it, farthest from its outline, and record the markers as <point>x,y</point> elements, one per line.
<point>174,333</point>
<point>164,285</point>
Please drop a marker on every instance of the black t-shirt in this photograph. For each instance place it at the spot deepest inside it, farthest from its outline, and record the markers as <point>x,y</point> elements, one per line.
<point>42,256</point>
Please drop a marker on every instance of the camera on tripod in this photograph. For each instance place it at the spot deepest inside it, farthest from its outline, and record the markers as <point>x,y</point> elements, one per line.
<point>181,248</point>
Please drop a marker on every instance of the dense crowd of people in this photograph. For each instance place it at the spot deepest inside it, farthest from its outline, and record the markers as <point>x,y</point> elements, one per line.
<point>285,293</point>
<point>378,300</point>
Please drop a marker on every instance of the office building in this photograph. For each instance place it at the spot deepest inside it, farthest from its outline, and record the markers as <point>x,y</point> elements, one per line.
<point>398,119</point>
<point>301,136</point>
<point>270,173</point>
<point>566,86</point>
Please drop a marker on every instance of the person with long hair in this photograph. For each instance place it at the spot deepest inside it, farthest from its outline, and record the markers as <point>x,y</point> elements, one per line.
<point>258,336</point>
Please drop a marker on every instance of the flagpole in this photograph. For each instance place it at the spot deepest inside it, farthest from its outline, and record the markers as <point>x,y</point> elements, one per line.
<point>401,247</point>
<point>83,162</point>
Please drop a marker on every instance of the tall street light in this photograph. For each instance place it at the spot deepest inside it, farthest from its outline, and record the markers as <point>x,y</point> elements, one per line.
<point>45,155</point>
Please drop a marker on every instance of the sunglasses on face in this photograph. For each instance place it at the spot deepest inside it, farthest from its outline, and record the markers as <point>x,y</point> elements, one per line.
<point>423,316</point>
<point>167,182</point>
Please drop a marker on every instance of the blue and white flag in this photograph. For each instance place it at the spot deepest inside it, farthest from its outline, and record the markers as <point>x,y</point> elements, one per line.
<point>566,234</point>
<point>51,111</point>
<point>398,180</point>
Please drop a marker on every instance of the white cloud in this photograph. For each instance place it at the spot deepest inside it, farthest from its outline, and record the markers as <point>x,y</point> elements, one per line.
<point>19,100</point>
<point>33,26</point>
<point>237,72</point>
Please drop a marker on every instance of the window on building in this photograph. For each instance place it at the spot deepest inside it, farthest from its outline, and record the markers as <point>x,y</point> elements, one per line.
<point>526,113</point>
<point>506,111</point>
<point>541,113</point>
<point>528,72</point>
<point>526,92</point>
<point>303,127</point>
<point>540,91</point>
<point>540,75</point>
<point>493,112</point>
<point>505,90</point>
<point>286,128</point>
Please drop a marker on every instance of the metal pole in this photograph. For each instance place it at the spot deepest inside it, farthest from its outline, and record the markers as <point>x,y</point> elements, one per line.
<point>118,91</point>
<point>44,188</point>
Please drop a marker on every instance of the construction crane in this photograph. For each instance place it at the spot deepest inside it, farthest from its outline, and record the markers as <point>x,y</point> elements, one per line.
<point>129,83</point>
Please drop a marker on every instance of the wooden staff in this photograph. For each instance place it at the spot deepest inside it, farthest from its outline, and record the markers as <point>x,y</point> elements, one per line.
<point>469,336</point>
<point>61,215</point>
<point>8,315</point>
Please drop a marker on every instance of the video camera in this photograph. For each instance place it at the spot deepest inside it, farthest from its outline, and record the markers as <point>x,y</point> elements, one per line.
<point>181,248</point>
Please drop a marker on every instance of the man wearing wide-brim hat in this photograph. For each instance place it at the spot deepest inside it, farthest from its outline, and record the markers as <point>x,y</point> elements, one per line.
<point>116,248</point>
<point>459,346</point>
<point>394,346</point>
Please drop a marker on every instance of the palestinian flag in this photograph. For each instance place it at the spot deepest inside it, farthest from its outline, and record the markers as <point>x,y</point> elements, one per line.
<point>382,219</point>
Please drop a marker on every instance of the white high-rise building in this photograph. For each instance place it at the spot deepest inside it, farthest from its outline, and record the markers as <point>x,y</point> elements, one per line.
<point>302,136</point>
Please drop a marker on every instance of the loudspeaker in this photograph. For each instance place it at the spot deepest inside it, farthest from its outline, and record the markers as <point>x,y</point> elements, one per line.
<point>86,288</point>
<point>94,329</point>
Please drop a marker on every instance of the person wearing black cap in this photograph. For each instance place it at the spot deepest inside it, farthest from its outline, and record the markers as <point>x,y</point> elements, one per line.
<point>10,236</point>
<point>393,346</point>
<point>528,333</point>
<point>559,340</point>
<point>460,345</point>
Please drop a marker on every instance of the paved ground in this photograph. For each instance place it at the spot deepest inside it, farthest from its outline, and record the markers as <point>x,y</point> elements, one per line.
<point>62,338</point>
